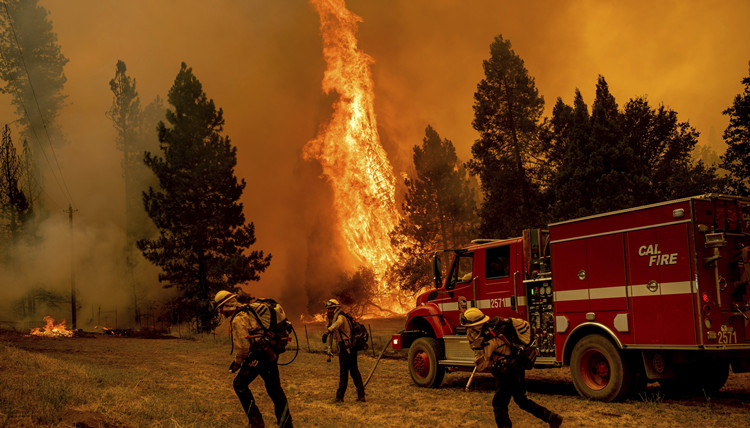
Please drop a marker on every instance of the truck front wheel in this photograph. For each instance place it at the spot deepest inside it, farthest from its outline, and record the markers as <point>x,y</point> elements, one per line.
<point>424,354</point>
<point>598,369</point>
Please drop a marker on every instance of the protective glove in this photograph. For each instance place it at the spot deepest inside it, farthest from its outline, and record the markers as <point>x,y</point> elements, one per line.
<point>325,337</point>
<point>234,367</point>
<point>329,356</point>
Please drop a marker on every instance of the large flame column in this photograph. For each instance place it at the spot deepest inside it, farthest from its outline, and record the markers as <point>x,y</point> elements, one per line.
<point>348,147</point>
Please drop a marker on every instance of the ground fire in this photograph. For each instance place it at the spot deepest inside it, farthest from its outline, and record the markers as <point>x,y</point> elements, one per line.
<point>51,329</point>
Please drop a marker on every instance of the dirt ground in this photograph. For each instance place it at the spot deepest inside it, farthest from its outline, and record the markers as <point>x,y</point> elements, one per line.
<point>123,382</point>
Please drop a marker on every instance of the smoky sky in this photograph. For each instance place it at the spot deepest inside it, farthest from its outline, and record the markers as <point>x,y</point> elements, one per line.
<point>261,62</point>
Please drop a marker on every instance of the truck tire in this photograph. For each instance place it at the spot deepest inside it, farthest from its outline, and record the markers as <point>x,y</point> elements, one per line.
<point>424,354</point>
<point>704,378</point>
<point>599,370</point>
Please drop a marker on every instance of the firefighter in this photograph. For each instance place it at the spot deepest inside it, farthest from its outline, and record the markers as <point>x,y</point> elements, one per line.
<point>492,350</point>
<point>340,331</point>
<point>254,357</point>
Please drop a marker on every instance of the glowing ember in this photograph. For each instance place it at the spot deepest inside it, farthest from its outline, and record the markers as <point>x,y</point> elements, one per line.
<point>51,329</point>
<point>349,148</point>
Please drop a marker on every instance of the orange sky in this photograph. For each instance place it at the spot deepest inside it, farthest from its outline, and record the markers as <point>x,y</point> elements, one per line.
<point>261,62</point>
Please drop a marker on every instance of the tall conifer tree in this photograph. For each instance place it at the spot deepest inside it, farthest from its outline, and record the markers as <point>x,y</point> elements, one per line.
<point>736,159</point>
<point>507,110</point>
<point>203,238</point>
<point>32,68</point>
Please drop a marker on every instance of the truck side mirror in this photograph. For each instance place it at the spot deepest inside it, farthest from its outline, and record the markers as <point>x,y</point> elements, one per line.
<point>437,270</point>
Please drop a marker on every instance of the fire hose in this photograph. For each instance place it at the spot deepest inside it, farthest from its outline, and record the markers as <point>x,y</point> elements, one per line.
<point>296,348</point>
<point>376,362</point>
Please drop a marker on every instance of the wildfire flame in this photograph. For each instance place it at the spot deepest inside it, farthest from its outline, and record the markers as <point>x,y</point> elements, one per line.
<point>312,319</point>
<point>51,329</point>
<point>349,148</point>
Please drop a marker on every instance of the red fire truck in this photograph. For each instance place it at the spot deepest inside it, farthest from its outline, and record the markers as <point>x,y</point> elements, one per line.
<point>654,293</point>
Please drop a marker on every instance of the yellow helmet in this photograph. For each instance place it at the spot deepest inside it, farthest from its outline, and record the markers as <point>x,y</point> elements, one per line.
<point>332,303</point>
<point>223,297</point>
<point>472,317</point>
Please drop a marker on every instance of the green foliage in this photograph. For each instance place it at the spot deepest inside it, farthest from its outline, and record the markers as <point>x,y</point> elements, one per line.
<point>28,44</point>
<point>508,156</point>
<point>617,159</point>
<point>736,159</point>
<point>438,210</point>
<point>203,238</point>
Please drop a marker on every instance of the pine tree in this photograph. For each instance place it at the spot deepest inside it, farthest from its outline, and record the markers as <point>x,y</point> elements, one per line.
<point>14,207</point>
<point>736,159</point>
<point>611,161</point>
<point>438,210</point>
<point>136,134</point>
<point>203,237</point>
<point>619,159</point>
<point>136,129</point>
<point>507,110</point>
<point>663,147</point>
<point>571,129</point>
<point>32,68</point>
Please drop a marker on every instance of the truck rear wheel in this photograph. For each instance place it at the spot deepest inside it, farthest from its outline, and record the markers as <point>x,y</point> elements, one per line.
<point>599,371</point>
<point>424,354</point>
<point>706,377</point>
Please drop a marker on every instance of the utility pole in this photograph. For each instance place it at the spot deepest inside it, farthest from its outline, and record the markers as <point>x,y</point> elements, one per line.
<point>70,212</point>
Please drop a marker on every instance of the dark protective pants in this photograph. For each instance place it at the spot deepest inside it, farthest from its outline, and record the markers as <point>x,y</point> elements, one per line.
<point>347,366</point>
<point>269,371</point>
<point>511,382</point>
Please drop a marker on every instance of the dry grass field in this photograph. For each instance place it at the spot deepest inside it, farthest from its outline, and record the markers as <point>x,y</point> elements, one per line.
<point>106,381</point>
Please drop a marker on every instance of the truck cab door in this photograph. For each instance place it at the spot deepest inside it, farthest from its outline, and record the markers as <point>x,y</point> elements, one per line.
<point>459,288</point>
<point>501,283</point>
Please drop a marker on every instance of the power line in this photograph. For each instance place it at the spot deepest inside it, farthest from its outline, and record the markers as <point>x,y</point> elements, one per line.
<point>65,191</point>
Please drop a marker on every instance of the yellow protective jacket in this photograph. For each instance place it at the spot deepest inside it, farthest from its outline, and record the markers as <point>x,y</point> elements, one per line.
<point>487,353</point>
<point>339,330</point>
<point>245,332</point>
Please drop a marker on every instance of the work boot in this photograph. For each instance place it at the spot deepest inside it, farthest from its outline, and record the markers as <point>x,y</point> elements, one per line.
<point>555,420</point>
<point>361,398</point>
<point>338,400</point>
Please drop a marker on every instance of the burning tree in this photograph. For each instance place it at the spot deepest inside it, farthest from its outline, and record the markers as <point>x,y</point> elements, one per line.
<point>438,210</point>
<point>202,232</point>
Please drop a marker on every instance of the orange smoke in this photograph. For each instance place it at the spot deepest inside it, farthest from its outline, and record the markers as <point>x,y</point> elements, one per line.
<point>349,148</point>
<point>51,329</point>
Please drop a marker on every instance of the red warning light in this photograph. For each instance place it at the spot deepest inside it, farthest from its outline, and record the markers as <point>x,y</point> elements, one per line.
<point>705,297</point>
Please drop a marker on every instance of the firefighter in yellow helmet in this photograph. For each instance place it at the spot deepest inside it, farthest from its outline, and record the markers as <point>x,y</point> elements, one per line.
<point>254,357</point>
<point>493,350</point>
<point>339,330</point>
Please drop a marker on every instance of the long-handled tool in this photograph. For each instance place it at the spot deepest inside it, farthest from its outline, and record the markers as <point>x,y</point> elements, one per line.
<point>377,361</point>
<point>468,384</point>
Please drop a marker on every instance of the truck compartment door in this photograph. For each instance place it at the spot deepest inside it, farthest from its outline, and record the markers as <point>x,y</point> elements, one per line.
<point>571,287</point>
<point>660,286</point>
